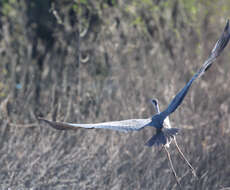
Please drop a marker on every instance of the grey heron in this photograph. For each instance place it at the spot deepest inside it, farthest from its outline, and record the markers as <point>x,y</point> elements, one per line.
<point>164,132</point>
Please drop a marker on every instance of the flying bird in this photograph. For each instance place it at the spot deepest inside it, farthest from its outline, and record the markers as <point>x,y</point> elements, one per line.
<point>164,132</point>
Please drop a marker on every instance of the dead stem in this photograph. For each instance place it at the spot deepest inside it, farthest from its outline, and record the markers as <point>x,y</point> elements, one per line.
<point>182,155</point>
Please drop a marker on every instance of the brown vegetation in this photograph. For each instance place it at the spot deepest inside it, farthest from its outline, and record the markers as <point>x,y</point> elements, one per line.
<point>93,61</point>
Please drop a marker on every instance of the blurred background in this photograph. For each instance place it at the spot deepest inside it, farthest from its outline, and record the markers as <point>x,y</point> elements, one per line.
<point>93,61</point>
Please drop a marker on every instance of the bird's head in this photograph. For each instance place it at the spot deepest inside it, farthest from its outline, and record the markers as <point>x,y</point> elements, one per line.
<point>155,102</point>
<point>155,105</point>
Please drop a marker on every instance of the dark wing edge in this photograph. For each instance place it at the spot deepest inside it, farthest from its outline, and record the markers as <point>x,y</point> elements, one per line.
<point>222,41</point>
<point>57,125</point>
<point>124,125</point>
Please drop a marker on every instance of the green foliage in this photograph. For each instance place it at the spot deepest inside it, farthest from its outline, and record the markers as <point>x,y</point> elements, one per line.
<point>83,1</point>
<point>138,21</point>
<point>8,8</point>
<point>191,6</point>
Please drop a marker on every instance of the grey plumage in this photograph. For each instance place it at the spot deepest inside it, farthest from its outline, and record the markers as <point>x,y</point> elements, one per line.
<point>124,125</point>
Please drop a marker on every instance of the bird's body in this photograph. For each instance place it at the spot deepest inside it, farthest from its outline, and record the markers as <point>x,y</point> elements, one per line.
<point>157,121</point>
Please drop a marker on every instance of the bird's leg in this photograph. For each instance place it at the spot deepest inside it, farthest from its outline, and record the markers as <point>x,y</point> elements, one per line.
<point>172,168</point>
<point>182,155</point>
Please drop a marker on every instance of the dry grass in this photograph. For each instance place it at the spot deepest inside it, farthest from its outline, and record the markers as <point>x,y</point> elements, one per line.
<point>126,68</point>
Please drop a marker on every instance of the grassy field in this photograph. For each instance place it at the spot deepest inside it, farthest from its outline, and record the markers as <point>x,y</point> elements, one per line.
<point>100,61</point>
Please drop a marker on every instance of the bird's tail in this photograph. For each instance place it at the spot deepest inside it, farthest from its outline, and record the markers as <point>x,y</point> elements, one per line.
<point>162,137</point>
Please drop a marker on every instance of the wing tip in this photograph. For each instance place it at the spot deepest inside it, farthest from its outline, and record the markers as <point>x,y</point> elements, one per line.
<point>227,24</point>
<point>53,124</point>
<point>227,29</point>
<point>218,48</point>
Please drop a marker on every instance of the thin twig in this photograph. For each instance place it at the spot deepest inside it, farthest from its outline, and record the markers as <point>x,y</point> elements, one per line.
<point>189,165</point>
<point>29,125</point>
<point>173,170</point>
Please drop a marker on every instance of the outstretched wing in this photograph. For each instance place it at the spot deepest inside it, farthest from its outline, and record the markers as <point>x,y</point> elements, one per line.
<point>218,48</point>
<point>125,125</point>
<point>180,96</point>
